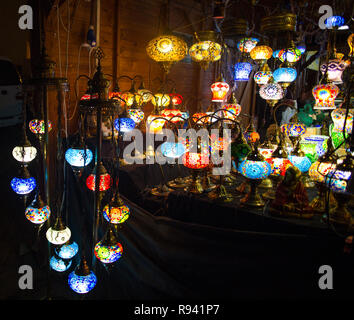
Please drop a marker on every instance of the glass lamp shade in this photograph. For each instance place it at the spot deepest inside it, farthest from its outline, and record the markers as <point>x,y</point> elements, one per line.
<point>338,180</point>
<point>213,117</point>
<point>108,253</point>
<point>167,49</point>
<point>325,95</point>
<point>291,55</point>
<point>88,96</point>
<point>155,123</point>
<point>24,154</point>
<point>285,75</point>
<point>105,182</point>
<point>78,157</point>
<point>67,251</point>
<point>38,127</point>
<point>271,91</point>
<point>219,90</point>
<point>231,111</point>
<point>334,68</point>
<point>350,42</point>
<point>293,129</point>
<point>136,115</point>
<point>116,214</point>
<point>195,160</point>
<point>314,146</point>
<point>252,136</point>
<point>172,149</point>
<point>319,170</point>
<point>205,52</point>
<point>262,77</point>
<point>161,100</point>
<point>247,44</point>
<point>337,137</point>
<point>176,99</point>
<point>143,96</point>
<point>58,237</point>
<point>255,169</point>
<point>200,117</point>
<point>124,124</point>
<point>37,215</point>
<point>338,117</point>
<point>302,163</point>
<point>58,264</point>
<point>174,115</point>
<point>129,98</point>
<point>185,115</point>
<point>82,283</point>
<point>261,53</point>
<point>219,144</point>
<point>242,71</point>
<point>334,21</point>
<point>23,186</point>
<point>279,165</point>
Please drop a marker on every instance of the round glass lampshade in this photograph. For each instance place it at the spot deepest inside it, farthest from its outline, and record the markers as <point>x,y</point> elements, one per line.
<point>176,99</point>
<point>37,215</point>
<point>293,129</point>
<point>247,44</point>
<point>334,68</point>
<point>23,186</point>
<point>67,251</point>
<point>302,163</point>
<point>291,55</point>
<point>205,52</point>
<point>82,284</point>
<point>219,90</point>
<point>325,95</point>
<point>242,71</point>
<point>108,253</point>
<point>116,214</point>
<point>167,49</point>
<point>78,157</point>
<point>24,154</point>
<point>143,96</point>
<point>260,53</point>
<point>279,165</point>
<point>319,170</point>
<point>339,117</point>
<point>262,77</point>
<point>58,237</point>
<point>124,124</point>
<point>105,182</point>
<point>174,115</point>
<point>155,123</point>
<point>200,117</point>
<point>314,146</point>
<point>195,160</point>
<point>337,180</point>
<point>334,21</point>
<point>255,169</point>
<point>59,265</point>
<point>172,149</point>
<point>161,100</point>
<point>136,115</point>
<point>38,127</point>
<point>231,111</point>
<point>285,75</point>
<point>271,91</point>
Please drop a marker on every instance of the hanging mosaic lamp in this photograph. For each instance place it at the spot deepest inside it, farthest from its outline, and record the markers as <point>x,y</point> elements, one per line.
<point>24,183</point>
<point>59,265</point>
<point>24,152</point>
<point>124,124</point>
<point>82,279</point>
<point>334,69</point>
<point>260,54</point>
<point>155,123</point>
<point>108,250</point>
<point>325,95</point>
<point>290,56</point>
<point>161,100</point>
<point>242,71</point>
<point>67,250</point>
<point>219,90</point>
<point>245,45</point>
<point>59,233</point>
<point>38,127</point>
<point>232,109</point>
<point>284,76</point>
<point>116,211</point>
<point>105,180</point>
<point>263,76</point>
<point>37,212</point>
<point>167,50</point>
<point>78,157</point>
<point>272,93</point>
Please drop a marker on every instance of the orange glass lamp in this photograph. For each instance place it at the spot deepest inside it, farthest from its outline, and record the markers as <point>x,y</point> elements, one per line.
<point>219,90</point>
<point>155,123</point>
<point>325,95</point>
<point>174,115</point>
<point>231,110</point>
<point>200,118</point>
<point>176,99</point>
<point>167,50</point>
<point>260,54</point>
<point>161,100</point>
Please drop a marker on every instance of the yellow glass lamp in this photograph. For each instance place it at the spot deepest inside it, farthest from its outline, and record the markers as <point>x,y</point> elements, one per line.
<point>219,90</point>
<point>260,54</point>
<point>155,123</point>
<point>161,100</point>
<point>167,50</point>
<point>351,45</point>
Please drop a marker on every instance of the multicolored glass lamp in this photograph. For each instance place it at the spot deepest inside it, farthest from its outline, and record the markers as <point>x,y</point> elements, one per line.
<point>78,157</point>
<point>314,146</point>
<point>260,54</point>
<point>155,122</point>
<point>23,184</point>
<point>59,233</point>
<point>271,92</point>
<point>24,152</point>
<point>82,279</point>
<point>37,212</point>
<point>59,264</point>
<point>206,50</point>
<point>263,76</point>
<point>255,168</point>
<point>161,100</point>
<point>108,250</point>
<point>242,71</point>
<point>289,56</point>
<point>232,109</point>
<point>219,90</point>
<point>172,149</point>
<point>325,95</point>
<point>340,119</point>
<point>245,45</point>
<point>284,76</point>
<point>116,212</point>
<point>334,21</point>
<point>38,127</point>
<point>167,50</point>
<point>196,162</point>
<point>68,250</point>
<point>334,69</point>
<point>124,124</point>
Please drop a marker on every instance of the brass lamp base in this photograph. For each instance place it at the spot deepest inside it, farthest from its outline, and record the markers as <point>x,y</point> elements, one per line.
<point>318,204</point>
<point>195,186</point>
<point>271,193</point>
<point>177,183</point>
<point>266,184</point>
<point>207,184</point>
<point>220,194</point>
<point>340,214</point>
<point>306,181</point>
<point>253,198</point>
<point>161,191</point>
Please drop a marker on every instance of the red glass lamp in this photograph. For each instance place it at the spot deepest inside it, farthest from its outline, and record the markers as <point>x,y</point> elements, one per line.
<point>105,181</point>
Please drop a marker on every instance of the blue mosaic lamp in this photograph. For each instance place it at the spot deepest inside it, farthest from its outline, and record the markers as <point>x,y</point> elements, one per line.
<point>124,124</point>
<point>334,21</point>
<point>59,264</point>
<point>172,149</point>
<point>24,184</point>
<point>78,157</point>
<point>284,76</point>
<point>82,279</point>
<point>67,251</point>
<point>303,163</point>
<point>242,71</point>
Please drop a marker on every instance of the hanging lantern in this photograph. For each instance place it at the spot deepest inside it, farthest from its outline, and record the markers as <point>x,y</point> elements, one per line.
<point>271,92</point>
<point>59,233</point>
<point>260,54</point>
<point>245,45</point>
<point>284,76</point>
<point>161,100</point>
<point>124,124</point>
<point>290,55</point>
<point>334,21</point>
<point>176,99</point>
<point>174,115</point>
<point>263,76</point>
<point>105,180</point>
<point>78,157</point>
<point>232,109</point>
<point>325,95</point>
<point>136,115</point>
<point>24,183</point>
<point>167,50</point>
<point>242,71</point>
<point>108,250</point>
<point>206,50</point>
<point>67,251</point>
<point>38,127</point>
<point>155,123</point>
<point>58,264</point>
<point>37,212</point>
<point>116,211</point>
<point>334,68</point>
<point>82,280</point>
<point>143,95</point>
<point>24,154</point>
<point>219,90</point>
<point>339,117</point>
